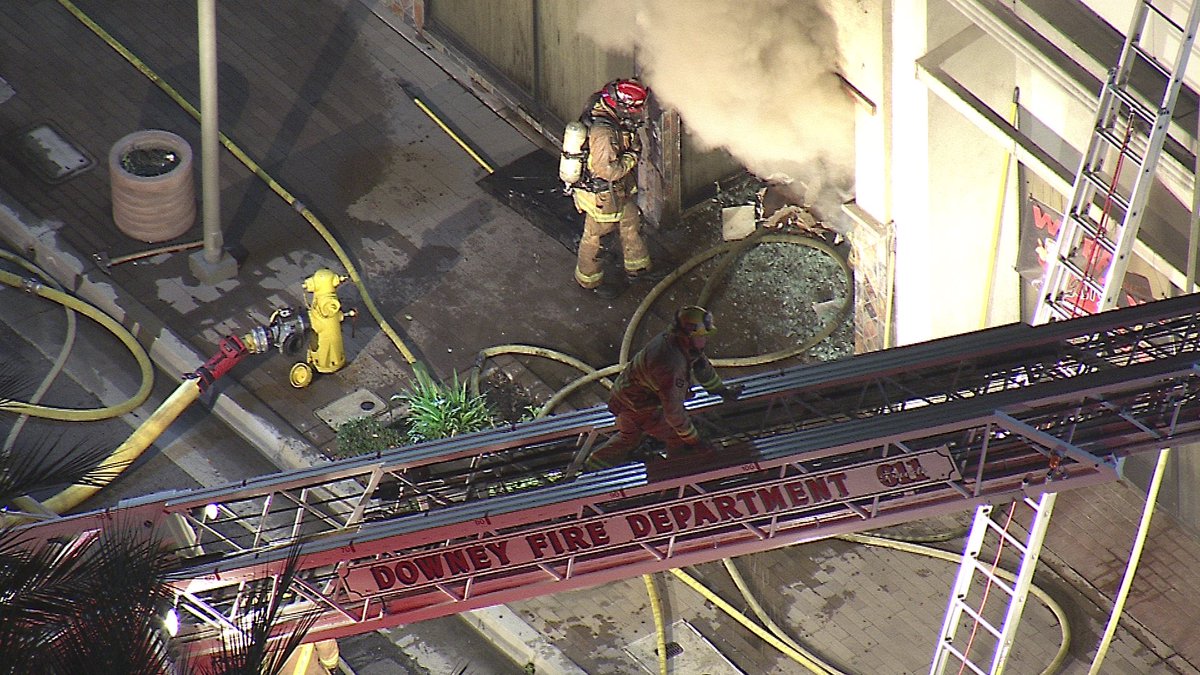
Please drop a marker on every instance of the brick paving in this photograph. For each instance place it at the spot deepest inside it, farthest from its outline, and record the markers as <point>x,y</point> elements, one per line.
<point>320,97</point>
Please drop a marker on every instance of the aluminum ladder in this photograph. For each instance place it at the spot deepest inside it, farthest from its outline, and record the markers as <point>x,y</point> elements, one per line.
<point>991,629</point>
<point>1084,275</point>
<point>1091,252</point>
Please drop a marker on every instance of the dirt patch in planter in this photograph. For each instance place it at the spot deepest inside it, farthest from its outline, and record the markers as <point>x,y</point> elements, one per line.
<point>147,162</point>
<point>510,402</point>
<point>779,296</point>
<point>774,296</point>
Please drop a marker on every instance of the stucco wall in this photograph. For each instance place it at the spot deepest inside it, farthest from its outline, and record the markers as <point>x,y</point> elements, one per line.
<point>540,50</point>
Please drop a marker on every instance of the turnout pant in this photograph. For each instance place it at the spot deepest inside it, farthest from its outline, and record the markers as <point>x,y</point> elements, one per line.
<point>632,427</point>
<point>588,271</point>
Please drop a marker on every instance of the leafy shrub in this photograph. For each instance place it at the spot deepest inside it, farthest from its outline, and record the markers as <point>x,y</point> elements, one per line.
<point>440,411</point>
<point>363,435</point>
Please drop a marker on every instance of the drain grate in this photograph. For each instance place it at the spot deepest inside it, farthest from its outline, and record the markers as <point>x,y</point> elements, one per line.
<point>50,154</point>
<point>673,649</point>
<point>688,650</point>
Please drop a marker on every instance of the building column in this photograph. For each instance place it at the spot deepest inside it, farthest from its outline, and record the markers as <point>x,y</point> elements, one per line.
<point>916,285</point>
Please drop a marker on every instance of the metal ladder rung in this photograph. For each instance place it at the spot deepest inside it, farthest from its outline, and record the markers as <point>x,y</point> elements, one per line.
<point>972,573</point>
<point>1162,15</point>
<point>979,619</point>
<point>1101,187</point>
<point>1142,145</point>
<point>1061,312</point>
<point>1078,273</point>
<point>1008,538</point>
<point>1141,110</point>
<point>1092,231</point>
<point>1033,504</point>
<point>962,658</point>
<point>983,570</point>
<point>1115,142</point>
<point>1148,58</point>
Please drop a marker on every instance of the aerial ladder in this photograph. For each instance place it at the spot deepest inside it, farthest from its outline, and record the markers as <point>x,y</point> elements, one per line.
<point>1084,275</point>
<point>809,452</point>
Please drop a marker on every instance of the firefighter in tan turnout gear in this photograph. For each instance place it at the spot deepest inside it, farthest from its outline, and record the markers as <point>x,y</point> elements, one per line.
<point>604,181</point>
<point>648,396</point>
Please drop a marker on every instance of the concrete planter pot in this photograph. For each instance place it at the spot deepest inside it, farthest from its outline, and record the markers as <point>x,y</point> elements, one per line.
<point>153,194</point>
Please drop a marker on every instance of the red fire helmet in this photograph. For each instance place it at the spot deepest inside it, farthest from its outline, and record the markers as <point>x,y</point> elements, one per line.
<point>627,97</point>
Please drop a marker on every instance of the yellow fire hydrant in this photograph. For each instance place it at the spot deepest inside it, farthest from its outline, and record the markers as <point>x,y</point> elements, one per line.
<point>326,351</point>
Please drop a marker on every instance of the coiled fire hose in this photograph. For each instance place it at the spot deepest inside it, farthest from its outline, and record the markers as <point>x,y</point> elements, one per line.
<point>93,313</point>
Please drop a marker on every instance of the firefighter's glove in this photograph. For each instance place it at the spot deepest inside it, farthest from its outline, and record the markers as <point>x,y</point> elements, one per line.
<point>730,392</point>
<point>629,160</point>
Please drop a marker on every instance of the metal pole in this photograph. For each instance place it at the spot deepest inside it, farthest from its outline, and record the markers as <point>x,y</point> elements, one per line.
<point>1189,284</point>
<point>210,188</point>
<point>1135,557</point>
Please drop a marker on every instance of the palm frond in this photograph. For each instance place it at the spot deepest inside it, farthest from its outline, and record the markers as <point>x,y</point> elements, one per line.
<point>115,639</point>
<point>14,381</point>
<point>41,464</point>
<point>85,605</point>
<point>115,626</point>
<point>260,649</point>
<point>39,586</point>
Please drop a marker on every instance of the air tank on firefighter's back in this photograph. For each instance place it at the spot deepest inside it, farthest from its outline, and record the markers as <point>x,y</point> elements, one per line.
<point>570,162</point>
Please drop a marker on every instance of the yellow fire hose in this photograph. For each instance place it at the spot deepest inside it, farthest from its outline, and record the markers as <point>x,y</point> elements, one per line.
<point>129,450</point>
<point>132,447</point>
<point>734,249</point>
<point>660,627</point>
<point>759,631</point>
<point>189,389</point>
<point>990,277</point>
<point>772,634</point>
<point>771,625</point>
<point>72,414</point>
<point>63,353</point>
<point>956,558</point>
<point>1135,557</point>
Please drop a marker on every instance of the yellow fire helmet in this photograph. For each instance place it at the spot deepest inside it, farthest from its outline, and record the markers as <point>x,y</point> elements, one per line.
<point>694,321</point>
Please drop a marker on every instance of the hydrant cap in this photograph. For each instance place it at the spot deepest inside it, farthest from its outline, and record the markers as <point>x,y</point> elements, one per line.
<point>323,281</point>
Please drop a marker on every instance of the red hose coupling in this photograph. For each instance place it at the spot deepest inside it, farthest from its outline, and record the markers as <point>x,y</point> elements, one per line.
<point>230,351</point>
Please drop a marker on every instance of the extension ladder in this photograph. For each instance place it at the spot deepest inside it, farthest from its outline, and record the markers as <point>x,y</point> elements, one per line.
<point>1083,276</point>
<point>981,561</point>
<point>1091,252</point>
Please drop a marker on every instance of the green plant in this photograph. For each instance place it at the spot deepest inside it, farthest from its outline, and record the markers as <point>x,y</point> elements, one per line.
<point>363,435</point>
<point>530,412</point>
<point>509,487</point>
<point>440,411</point>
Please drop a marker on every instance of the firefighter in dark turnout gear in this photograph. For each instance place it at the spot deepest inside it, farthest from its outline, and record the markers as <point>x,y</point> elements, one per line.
<point>648,396</point>
<point>605,193</point>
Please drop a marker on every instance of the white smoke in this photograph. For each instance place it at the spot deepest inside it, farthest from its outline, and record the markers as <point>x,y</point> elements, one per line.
<point>756,77</point>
